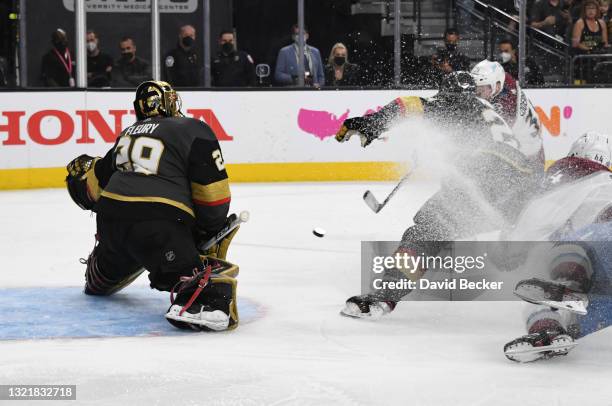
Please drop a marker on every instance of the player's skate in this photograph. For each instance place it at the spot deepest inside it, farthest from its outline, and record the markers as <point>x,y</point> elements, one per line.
<point>554,294</point>
<point>541,345</point>
<point>367,306</point>
<point>201,304</point>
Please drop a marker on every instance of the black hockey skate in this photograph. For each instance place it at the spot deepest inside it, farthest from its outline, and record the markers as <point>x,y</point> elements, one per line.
<point>542,345</point>
<point>367,306</point>
<point>554,294</point>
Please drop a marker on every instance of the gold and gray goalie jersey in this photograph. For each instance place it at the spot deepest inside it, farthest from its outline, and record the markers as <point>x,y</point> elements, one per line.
<point>164,168</point>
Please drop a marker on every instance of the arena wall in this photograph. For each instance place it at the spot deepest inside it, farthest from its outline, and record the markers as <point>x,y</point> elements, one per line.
<point>265,136</point>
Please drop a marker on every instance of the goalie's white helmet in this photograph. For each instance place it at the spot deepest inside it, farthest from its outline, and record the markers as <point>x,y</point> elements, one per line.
<point>488,73</point>
<point>593,146</point>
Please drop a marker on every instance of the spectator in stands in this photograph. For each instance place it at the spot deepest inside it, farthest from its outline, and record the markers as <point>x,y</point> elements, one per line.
<point>130,69</point>
<point>182,67</point>
<point>606,14</point>
<point>509,60</point>
<point>457,60</point>
<point>57,66</point>
<point>99,64</point>
<point>590,32</point>
<point>550,16</point>
<point>589,35</point>
<point>231,67</point>
<point>286,71</point>
<point>439,65</point>
<point>338,71</point>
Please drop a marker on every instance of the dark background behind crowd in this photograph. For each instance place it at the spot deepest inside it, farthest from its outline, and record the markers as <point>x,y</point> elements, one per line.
<point>343,48</point>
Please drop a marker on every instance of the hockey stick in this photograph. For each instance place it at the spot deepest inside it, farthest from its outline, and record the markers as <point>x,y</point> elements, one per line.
<point>233,221</point>
<point>372,202</point>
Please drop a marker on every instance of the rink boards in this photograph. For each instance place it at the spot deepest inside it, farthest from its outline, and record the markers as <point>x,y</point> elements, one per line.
<point>265,135</point>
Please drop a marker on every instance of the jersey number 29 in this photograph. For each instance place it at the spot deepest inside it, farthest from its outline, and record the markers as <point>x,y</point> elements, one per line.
<point>141,154</point>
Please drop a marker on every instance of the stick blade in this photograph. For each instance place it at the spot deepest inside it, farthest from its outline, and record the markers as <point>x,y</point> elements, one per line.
<point>370,200</point>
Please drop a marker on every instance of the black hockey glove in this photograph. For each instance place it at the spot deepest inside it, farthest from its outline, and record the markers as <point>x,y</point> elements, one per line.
<point>370,126</point>
<point>365,126</point>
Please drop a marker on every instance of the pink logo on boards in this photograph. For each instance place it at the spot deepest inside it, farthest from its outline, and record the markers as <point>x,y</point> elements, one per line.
<point>321,124</point>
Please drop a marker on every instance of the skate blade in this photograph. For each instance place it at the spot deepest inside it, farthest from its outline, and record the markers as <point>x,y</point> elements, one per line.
<point>524,355</point>
<point>574,306</point>
<point>220,325</point>
<point>352,311</point>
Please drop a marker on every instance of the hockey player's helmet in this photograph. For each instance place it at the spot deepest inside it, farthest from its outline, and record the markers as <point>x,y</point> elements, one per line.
<point>457,82</point>
<point>593,146</point>
<point>487,73</point>
<point>156,98</point>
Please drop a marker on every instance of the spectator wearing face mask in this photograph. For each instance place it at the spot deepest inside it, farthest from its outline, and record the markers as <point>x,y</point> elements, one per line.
<point>286,71</point>
<point>99,64</point>
<point>457,60</point>
<point>231,67</point>
<point>57,66</point>
<point>182,65</point>
<point>509,60</point>
<point>130,69</point>
<point>338,71</point>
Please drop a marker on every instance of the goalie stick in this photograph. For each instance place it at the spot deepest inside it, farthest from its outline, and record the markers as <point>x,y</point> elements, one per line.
<point>232,222</point>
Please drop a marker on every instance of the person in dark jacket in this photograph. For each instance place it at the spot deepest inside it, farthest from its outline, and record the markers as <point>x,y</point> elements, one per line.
<point>99,64</point>
<point>231,67</point>
<point>338,71</point>
<point>57,67</point>
<point>182,65</point>
<point>130,70</point>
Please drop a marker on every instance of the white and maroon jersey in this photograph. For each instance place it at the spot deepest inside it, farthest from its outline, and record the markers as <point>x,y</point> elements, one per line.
<point>516,109</point>
<point>577,192</point>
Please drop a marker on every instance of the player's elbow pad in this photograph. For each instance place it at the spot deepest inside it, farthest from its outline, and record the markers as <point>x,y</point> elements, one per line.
<point>409,105</point>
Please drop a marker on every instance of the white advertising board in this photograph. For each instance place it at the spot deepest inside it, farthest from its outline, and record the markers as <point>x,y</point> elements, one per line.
<point>47,129</point>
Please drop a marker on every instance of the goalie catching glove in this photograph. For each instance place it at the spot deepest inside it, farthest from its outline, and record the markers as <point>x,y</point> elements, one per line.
<point>81,181</point>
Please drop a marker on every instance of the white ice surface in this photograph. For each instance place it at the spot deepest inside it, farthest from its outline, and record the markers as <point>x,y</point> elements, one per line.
<point>300,351</point>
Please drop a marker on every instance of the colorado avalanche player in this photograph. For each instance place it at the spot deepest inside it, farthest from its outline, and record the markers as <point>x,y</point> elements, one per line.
<point>509,101</point>
<point>575,298</point>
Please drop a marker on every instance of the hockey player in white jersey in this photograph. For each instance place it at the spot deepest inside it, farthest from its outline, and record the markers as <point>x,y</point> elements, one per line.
<point>574,299</point>
<point>500,89</point>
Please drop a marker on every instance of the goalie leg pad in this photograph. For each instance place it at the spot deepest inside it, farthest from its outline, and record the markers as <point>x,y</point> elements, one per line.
<point>219,250</point>
<point>98,283</point>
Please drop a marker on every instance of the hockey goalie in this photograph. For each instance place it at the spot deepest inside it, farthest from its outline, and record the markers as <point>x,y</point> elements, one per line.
<point>160,191</point>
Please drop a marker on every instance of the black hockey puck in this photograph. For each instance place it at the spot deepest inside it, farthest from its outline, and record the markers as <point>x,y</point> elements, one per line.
<point>318,231</point>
